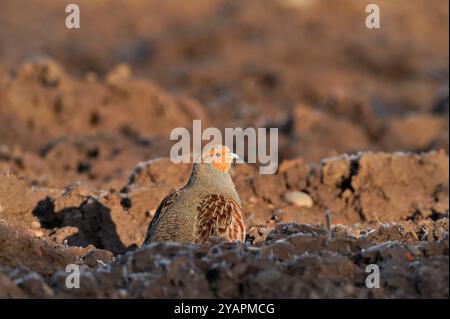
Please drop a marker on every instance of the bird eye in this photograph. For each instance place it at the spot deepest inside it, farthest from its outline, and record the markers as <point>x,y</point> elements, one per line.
<point>218,154</point>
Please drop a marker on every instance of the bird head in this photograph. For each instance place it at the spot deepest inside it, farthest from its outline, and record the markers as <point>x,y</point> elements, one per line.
<point>219,156</point>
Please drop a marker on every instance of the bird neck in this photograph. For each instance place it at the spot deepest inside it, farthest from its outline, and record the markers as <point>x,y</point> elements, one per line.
<point>210,179</point>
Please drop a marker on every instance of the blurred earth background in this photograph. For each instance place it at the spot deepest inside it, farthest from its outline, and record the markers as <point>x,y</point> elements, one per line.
<point>364,138</point>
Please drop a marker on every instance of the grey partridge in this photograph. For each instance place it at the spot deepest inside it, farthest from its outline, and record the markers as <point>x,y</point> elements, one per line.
<point>208,205</point>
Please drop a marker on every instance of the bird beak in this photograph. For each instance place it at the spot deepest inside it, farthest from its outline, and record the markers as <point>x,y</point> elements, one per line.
<point>232,156</point>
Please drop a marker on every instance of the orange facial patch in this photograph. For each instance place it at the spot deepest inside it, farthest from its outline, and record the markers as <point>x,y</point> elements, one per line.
<point>220,161</point>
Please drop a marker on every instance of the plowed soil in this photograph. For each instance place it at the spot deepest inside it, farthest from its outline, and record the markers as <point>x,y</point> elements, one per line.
<point>85,118</point>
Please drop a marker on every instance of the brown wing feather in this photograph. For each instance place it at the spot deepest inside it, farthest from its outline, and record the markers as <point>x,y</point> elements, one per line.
<point>218,215</point>
<point>162,208</point>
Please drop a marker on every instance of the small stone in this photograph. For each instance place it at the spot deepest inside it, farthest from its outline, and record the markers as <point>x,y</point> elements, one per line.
<point>298,198</point>
<point>120,73</point>
<point>347,194</point>
<point>349,289</point>
<point>35,224</point>
<point>97,257</point>
<point>152,212</point>
<point>123,293</point>
<point>38,233</point>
